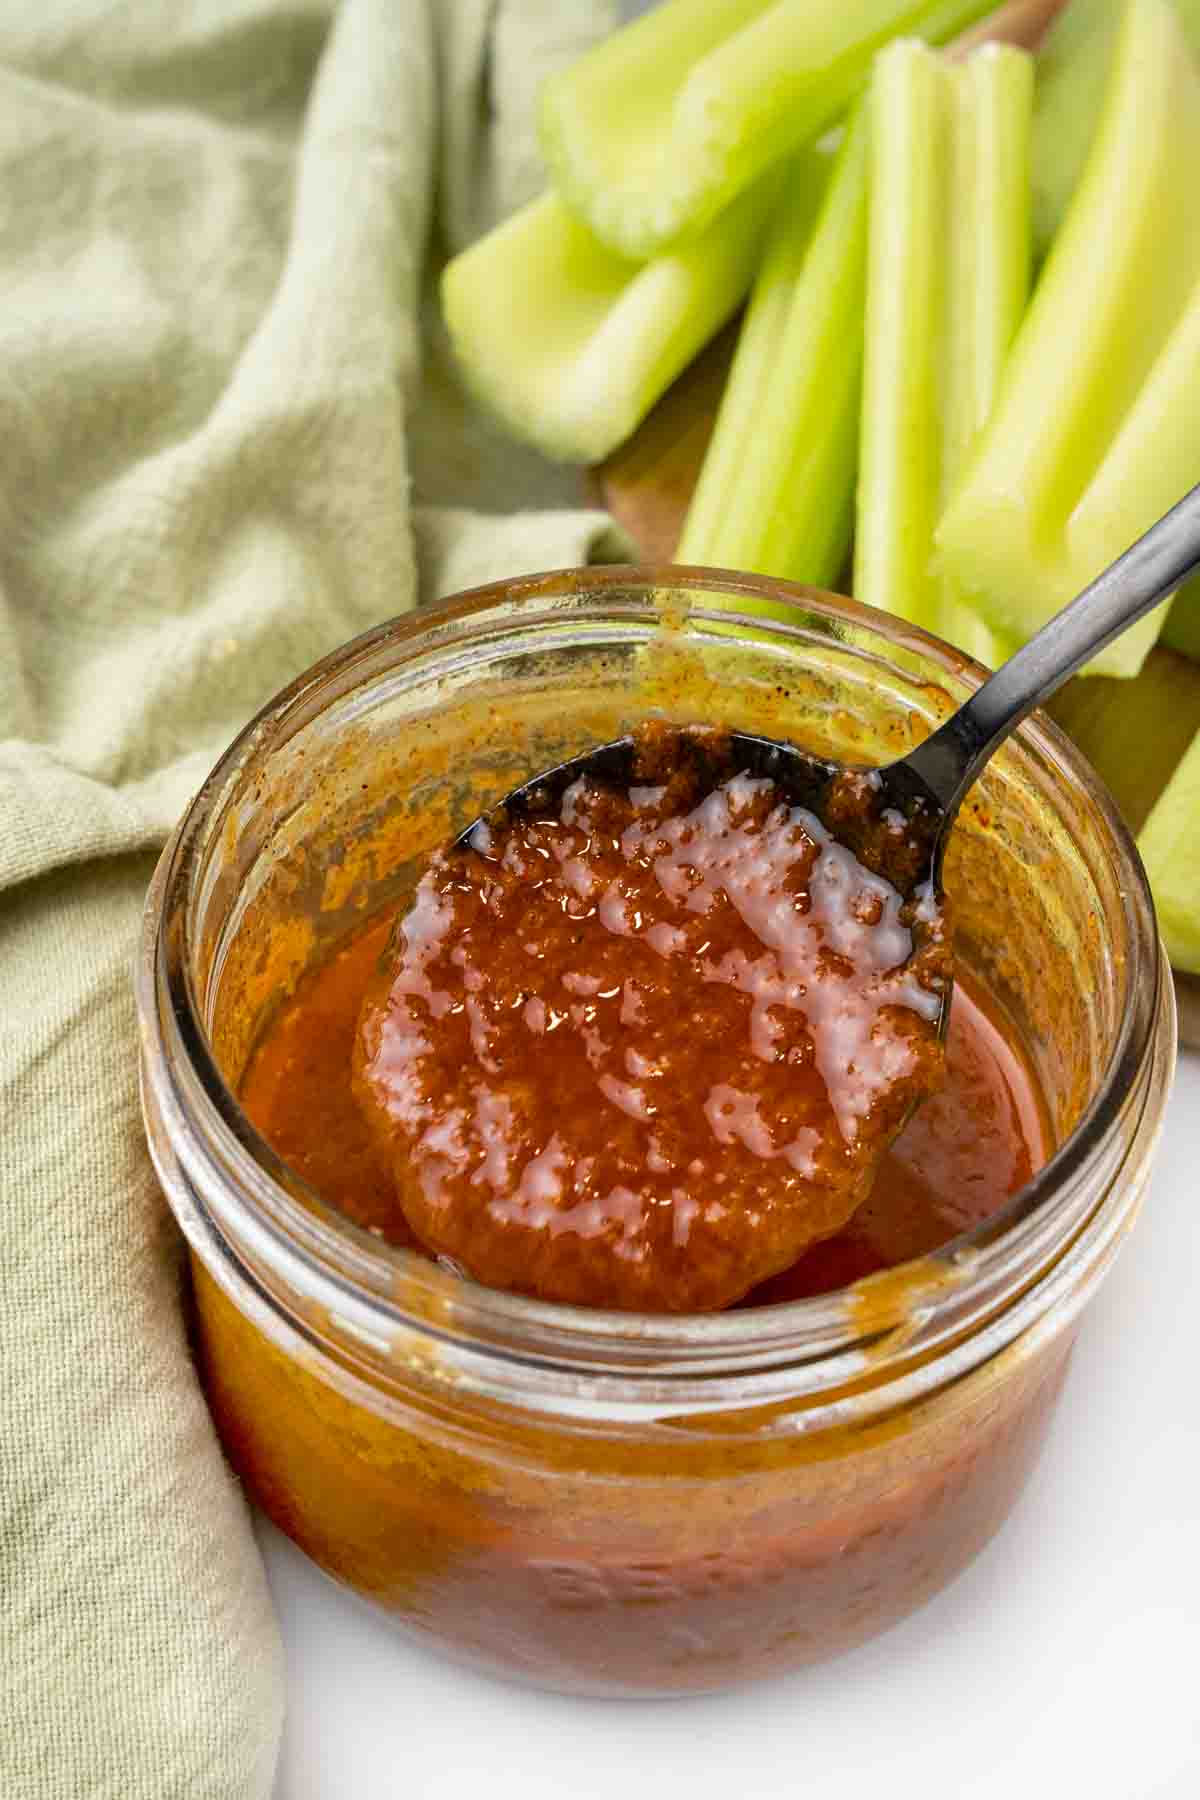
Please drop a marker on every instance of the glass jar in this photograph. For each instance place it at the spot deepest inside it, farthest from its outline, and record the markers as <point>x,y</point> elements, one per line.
<point>609,1503</point>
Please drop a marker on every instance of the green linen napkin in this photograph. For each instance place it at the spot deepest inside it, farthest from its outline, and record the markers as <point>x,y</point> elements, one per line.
<point>213,227</point>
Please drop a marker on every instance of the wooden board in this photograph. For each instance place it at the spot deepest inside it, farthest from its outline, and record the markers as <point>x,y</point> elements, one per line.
<point>647,483</point>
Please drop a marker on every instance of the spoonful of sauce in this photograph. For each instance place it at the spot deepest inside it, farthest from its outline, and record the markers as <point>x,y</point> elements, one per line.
<point>648,1028</point>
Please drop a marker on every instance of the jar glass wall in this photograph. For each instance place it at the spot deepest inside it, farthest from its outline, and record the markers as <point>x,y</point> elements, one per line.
<point>616,1503</point>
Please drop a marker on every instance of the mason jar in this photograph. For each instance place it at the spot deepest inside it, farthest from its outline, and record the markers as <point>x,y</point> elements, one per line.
<point>616,1503</point>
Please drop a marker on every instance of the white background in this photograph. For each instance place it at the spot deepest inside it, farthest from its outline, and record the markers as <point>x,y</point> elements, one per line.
<point>1064,1663</point>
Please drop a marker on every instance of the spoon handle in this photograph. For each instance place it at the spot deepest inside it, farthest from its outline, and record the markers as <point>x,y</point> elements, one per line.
<point>951,758</point>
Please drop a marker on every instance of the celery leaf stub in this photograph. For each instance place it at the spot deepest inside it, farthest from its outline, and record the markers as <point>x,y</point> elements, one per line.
<point>570,345</point>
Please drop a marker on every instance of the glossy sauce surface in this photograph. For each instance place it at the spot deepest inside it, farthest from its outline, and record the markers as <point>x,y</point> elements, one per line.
<point>640,1049</point>
<point>956,1162</point>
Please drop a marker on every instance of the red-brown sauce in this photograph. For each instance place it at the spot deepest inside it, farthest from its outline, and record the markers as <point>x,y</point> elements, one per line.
<point>956,1162</point>
<point>644,1047</point>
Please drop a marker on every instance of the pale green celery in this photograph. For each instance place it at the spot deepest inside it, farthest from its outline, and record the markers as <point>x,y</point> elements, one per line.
<point>947,278</point>
<point>988,265</point>
<point>1170,847</point>
<point>775,493</point>
<point>1092,433</point>
<point>900,448</point>
<point>1134,731</point>
<point>1182,628</point>
<point>569,345</point>
<point>1154,457</point>
<point>755,362</point>
<point>651,133</point>
<point>1152,436</point>
<point>1072,70</point>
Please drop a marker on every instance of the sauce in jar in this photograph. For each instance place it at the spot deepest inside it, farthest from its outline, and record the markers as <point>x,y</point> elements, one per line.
<point>958,1159</point>
<point>641,1049</point>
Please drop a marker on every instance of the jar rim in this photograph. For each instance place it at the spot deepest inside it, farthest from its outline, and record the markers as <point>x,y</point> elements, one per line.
<point>389,1286</point>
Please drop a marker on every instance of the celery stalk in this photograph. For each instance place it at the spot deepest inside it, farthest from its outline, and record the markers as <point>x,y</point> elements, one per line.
<point>1154,457</point>
<point>570,345</point>
<point>987,242</point>
<point>988,263</point>
<point>1170,847</point>
<point>1072,70</point>
<point>776,489</point>
<point>1038,514</point>
<point>709,535</point>
<point>651,133</point>
<point>947,276</point>
<point>1134,731</point>
<point>900,446</point>
<point>1182,628</point>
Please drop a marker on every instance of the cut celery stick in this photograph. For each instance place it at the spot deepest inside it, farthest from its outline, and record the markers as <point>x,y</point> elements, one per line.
<point>987,236</point>
<point>1154,458</point>
<point>776,489</point>
<point>708,535</point>
<point>651,133</point>
<point>569,345</point>
<point>1182,628</point>
<point>948,272</point>
<point>988,263</point>
<point>1170,847</point>
<point>1134,732</point>
<point>1022,533</point>
<point>1072,70</point>
<point>900,450</point>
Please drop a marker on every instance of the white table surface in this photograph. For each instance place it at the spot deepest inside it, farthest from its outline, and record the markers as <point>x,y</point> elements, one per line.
<point>1065,1662</point>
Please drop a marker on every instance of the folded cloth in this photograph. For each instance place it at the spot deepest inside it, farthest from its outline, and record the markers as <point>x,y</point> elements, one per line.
<point>213,225</point>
